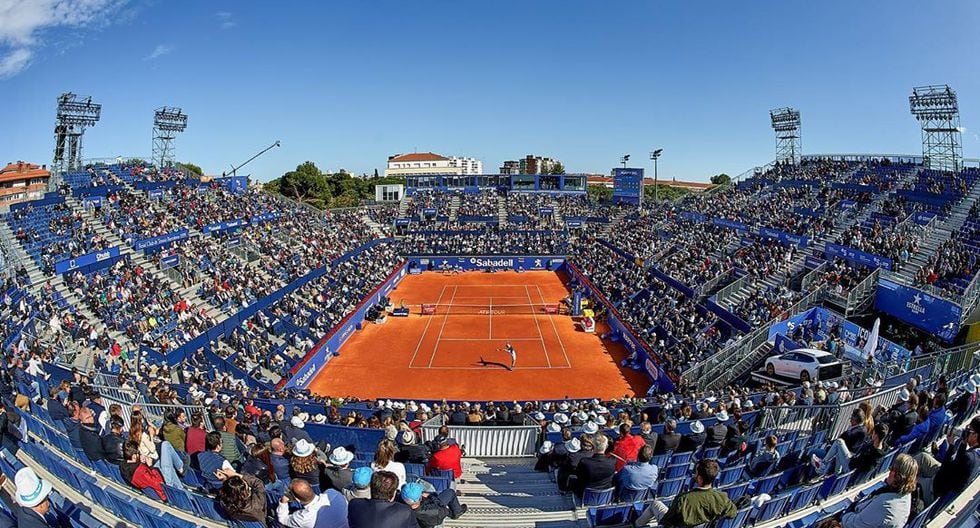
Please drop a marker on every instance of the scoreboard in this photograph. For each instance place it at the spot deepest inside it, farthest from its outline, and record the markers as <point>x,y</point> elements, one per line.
<point>628,186</point>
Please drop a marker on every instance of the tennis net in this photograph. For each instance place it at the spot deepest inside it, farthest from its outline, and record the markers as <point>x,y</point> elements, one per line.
<point>491,309</point>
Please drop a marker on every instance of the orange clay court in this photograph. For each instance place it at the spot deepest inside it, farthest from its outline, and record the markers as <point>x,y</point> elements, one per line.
<point>457,353</point>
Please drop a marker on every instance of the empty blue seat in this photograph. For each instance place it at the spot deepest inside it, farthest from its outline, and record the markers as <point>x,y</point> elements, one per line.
<point>803,497</point>
<point>772,508</point>
<point>628,495</point>
<point>597,497</point>
<point>736,491</point>
<point>669,488</point>
<point>611,515</point>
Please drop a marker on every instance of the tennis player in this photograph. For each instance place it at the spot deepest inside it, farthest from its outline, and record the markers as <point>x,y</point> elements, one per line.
<point>509,348</point>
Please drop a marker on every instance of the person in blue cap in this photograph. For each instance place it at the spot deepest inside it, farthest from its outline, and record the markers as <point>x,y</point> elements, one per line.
<point>431,509</point>
<point>360,487</point>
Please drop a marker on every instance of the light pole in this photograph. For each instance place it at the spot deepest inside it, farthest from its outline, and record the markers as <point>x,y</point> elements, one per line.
<point>655,155</point>
<point>624,160</point>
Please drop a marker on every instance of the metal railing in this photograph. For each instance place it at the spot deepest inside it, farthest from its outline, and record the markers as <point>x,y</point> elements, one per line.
<point>721,298</point>
<point>812,276</point>
<point>491,441</point>
<point>855,297</point>
<point>711,283</point>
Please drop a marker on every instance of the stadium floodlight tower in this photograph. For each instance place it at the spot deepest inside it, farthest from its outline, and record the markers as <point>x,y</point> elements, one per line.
<point>788,128</point>
<point>938,113</point>
<point>75,114</point>
<point>167,123</point>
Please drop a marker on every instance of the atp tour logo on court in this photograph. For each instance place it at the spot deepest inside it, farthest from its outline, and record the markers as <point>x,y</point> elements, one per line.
<point>492,263</point>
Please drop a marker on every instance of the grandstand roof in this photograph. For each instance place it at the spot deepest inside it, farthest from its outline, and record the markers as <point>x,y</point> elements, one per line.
<point>418,156</point>
<point>21,171</point>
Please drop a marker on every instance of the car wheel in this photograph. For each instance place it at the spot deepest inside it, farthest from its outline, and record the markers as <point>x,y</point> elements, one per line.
<point>770,370</point>
<point>805,375</point>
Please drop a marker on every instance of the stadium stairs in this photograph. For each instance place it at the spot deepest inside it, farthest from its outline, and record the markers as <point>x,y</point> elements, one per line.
<point>375,227</point>
<point>940,234</point>
<point>508,492</point>
<point>403,206</point>
<point>454,207</point>
<point>137,258</point>
<point>502,209</point>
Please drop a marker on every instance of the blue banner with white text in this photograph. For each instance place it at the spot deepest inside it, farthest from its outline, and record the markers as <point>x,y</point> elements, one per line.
<point>784,238</point>
<point>85,260</point>
<point>857,256</point>
<point>920,309</point>
<point>224,226</point>
<point>152,242</point>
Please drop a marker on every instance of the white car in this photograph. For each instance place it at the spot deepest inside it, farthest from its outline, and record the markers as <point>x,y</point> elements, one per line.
<point>804,364</point>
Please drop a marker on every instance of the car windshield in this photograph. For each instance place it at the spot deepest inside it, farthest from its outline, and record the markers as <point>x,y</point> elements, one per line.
<point>826,360</point>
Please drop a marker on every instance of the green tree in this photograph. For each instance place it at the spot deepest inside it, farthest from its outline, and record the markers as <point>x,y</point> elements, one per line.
<point>721,179</point>
<point>558,168</point>
<point>600,192</point>
<point>305,184</point>
<point>190,167</point>
<point>667,193</point>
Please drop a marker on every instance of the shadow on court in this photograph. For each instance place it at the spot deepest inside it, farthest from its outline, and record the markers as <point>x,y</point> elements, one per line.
<point>486,363</point>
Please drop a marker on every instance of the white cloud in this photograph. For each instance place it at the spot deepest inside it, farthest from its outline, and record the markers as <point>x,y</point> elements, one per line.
<point>226,19</point>
<point>14,62</point>
<point>23,22</point>
<point>159,51</point>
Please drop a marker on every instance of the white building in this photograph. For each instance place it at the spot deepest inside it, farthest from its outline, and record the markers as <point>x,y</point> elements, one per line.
<point>422,163</point>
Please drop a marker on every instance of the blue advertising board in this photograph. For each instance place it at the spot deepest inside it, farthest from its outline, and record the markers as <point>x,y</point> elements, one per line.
<point>784,344</point>
<point>546,210</point>
<point>224,226</point>
<point>304,372</point>
<point>85,260</point>
<point>628,186</point>
<point>264,217</point>
<point>155,193</point>
<point>920,309</point>
<point>550,262</point>
<point>94,201</point>
<point>856,256</point>
<point>692,216</point>
<point>402,221</point>
<point>153,242</point>
<point>924,217</point>
<point>784,238</point>
<point>731,224</point>
<point>169,261</point>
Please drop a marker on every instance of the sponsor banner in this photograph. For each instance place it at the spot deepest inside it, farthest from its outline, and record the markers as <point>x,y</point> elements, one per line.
<point>692,216</point>
<point>806,211</point>
<point>169,261</point>
<point>94,201</point>
<point>549,262</point>
<point>920,309</point>
<point>264,217</point>
<point>155,193</point>
<point>938,200</point>
<point>738,226</point>
<point>152,187</point>
<point>85,260</point>
<point>47,200</point>
<point>153,242</point>
<point>855,337</point>
<point>428,211</point>
<point>924,217</point>
<point>402,221</point>
<point>727,316</point>
<point>233,183</point>
<point>856,187</point>
<point>233,241</point>
<point>784,238</point>
<point>660,381</point>
<point>224,226</point>
<point>628,185</point>
<point>784,344</point>
<point>808,319</point>
<point>812,262</point>
<point>858,257</point>
<point>304,372</point>
<point>546,210</point>
<point>847,204</point>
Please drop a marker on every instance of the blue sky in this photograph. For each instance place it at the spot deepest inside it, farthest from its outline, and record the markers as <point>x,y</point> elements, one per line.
<point>345,84</point>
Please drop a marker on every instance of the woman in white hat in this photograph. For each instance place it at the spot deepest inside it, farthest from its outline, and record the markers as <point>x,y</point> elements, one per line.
<point>32,498</point>
<point>304,464</point>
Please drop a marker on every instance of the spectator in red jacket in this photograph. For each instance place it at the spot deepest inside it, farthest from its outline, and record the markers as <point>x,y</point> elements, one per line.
<point>196,434</point>
<point>138,474</point>
<point>627,447</point>
<point>448,456</point>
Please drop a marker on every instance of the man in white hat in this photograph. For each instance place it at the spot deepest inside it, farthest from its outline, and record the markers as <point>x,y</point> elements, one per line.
<point>32,499</point>
<point>337,473</point>
<point>716,435</point>
<point>544,456</point>
<point>568,466</point>
<point>694,440</point>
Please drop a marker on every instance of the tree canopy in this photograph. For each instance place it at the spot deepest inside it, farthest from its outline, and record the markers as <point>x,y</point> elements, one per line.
<point>721,179</point>
<point>308,184</point>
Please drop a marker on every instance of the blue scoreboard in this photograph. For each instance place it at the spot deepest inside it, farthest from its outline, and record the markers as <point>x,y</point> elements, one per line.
<point>628,186</point>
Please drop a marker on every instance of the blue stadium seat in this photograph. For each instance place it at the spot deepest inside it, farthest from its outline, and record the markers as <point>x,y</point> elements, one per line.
<point>771,509</point>
<point>669,488</point>
<point>736,491</point>
<point>803,497</point>
<point>767,484</point>
<point>597,497</point>
<point>736,522</point>
<point>730,475</point>
<point>611,515</point>
<point>675,471</point>
<point>628,495</point>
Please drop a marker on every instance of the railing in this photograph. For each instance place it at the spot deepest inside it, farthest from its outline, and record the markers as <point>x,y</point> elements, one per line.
<point>801,419</point>
<point>812,276</point>
<point>495,441</point>
<point>721,298</point>
<point>713,369</point>
<point>129,396</point>
<point>857,293</point>
<point>711,283</point>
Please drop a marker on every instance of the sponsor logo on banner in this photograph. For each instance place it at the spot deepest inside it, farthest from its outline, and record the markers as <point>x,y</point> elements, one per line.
<point>652,370</point>
<point>492,263</point>
<point>301,381</point>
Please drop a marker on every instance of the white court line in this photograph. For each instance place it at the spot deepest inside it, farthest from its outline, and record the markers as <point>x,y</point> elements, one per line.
<point>439,338</point>
<point>422,337</point>
<point>490,312</point>
<point>544,348</point>
<point>484,368</point>
<point>497,339</point>
<point>553,325</point>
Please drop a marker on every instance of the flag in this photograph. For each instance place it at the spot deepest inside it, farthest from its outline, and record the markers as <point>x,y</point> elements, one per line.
<point>872,344</point>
